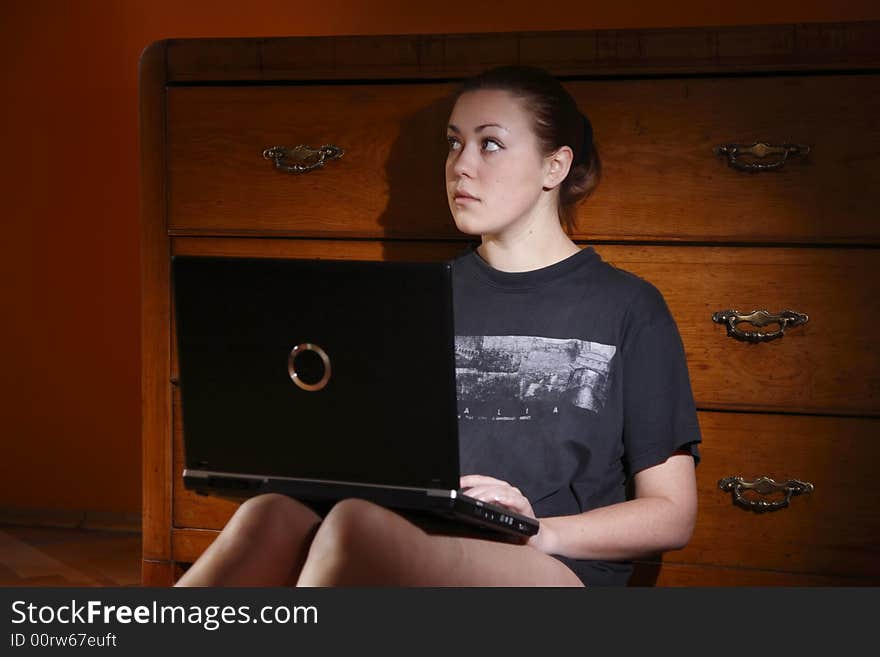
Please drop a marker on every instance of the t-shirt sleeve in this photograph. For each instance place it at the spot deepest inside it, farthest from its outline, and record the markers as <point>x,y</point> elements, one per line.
<point>659,414</point>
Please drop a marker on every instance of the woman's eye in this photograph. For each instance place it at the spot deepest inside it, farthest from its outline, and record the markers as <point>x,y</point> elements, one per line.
<point>491,145</point>
<point>453,143</point>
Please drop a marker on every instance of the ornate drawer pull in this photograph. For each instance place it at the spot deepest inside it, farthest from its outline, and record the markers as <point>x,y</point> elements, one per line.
<point>764,486</point>
<point>758,318</point>
<point>302,158</point>
<point>762,150</point>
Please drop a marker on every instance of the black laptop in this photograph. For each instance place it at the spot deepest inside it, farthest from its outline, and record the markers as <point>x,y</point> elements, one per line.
<point>324,380</point>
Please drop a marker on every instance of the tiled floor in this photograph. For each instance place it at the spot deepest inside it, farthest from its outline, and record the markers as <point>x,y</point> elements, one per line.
<point>47,556</point>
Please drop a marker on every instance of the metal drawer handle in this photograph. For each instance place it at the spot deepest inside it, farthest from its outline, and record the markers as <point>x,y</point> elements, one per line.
<point>763,486</point>
<point>759,318</point>
<point>762,150</point>
<point>302,158</point>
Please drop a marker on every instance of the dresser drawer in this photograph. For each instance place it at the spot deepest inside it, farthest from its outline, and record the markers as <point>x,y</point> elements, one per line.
<point>661,178</point>
<point>663,181</point>
<point>389,180</point>
<point>832,531</point>
<point>829,364</point>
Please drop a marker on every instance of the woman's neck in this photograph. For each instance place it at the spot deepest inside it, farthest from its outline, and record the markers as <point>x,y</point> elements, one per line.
<point>527,251</point>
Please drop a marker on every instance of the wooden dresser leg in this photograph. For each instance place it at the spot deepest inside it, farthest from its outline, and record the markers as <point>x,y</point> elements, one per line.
<point>157,573</point>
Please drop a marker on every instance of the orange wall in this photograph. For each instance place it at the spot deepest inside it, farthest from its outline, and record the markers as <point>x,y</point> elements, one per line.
<point>70,382</point>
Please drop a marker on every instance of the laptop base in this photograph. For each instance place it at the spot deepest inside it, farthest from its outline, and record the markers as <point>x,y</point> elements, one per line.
<point>437,512</point>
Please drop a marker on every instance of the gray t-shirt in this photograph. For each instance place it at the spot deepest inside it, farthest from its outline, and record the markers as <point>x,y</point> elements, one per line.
<point>570,379</point>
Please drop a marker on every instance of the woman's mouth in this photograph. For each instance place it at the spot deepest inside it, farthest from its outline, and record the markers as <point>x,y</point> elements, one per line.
<point>462,197</point>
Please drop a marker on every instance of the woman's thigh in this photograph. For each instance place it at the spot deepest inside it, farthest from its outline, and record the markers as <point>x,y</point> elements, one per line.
<point>360,543</point>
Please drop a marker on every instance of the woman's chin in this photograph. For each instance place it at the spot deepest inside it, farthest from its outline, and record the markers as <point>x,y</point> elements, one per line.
<point>467,225</point>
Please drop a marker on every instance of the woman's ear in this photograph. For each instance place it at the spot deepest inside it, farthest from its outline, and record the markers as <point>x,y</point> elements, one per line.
<point>557,165</point>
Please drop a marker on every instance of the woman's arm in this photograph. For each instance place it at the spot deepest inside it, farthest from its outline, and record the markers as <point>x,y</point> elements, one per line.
<point>661,516</point>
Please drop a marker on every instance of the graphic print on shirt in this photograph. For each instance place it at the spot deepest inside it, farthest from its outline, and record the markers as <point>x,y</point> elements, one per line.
<point>517,377</point>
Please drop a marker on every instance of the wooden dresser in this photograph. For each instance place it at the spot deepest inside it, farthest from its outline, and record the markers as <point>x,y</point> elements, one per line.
<point>792,226</point>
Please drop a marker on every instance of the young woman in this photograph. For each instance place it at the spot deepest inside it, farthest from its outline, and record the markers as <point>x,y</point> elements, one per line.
<point>572,383</point>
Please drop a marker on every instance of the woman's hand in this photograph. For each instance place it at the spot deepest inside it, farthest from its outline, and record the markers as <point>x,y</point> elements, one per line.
<point>496,491</point>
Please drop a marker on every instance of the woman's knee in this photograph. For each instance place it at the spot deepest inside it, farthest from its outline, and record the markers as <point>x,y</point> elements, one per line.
<point>358,537</point>
<point>272,518</point>
<point>350,523</point>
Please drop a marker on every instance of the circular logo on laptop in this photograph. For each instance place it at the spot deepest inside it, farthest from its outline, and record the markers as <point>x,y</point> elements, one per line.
<point>309,366</point>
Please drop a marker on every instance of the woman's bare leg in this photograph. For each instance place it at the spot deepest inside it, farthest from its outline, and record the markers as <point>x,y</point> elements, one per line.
<point>362,544</point>
<point>264,544</point>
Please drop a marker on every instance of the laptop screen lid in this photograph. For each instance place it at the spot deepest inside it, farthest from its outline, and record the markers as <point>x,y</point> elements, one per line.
<point>318,369</point>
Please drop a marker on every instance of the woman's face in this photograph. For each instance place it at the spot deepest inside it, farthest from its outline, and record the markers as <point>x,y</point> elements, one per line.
<point>495,171</point>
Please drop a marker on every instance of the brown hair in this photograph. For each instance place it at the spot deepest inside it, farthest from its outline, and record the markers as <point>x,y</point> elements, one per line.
<point>557,122</point>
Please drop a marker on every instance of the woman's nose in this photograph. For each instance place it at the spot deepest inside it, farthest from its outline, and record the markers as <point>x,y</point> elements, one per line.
<point>463,162</point>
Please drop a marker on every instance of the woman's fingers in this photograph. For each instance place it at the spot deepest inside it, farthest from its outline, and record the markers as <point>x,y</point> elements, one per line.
<point>484,492</point>
<point>468,481</point>
<point>504,495</point>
